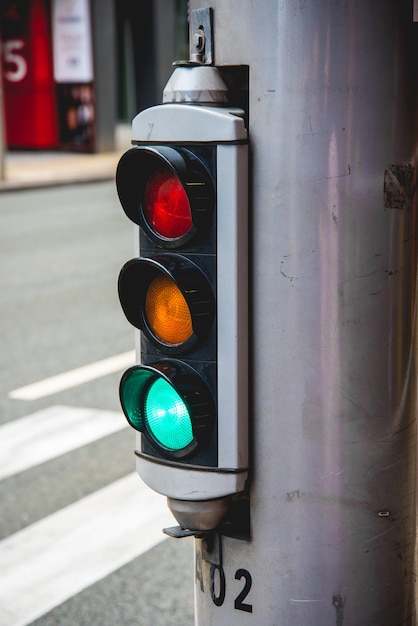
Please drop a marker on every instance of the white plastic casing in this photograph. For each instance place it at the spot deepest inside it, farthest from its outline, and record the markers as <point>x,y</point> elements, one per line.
<point>186,123</point>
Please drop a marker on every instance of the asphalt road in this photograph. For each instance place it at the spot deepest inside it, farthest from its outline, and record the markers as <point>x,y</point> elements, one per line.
<point>61,250</point>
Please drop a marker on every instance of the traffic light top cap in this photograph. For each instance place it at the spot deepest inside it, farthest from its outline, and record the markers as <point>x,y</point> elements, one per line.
<point>196,84</point>
<point>187,122</point>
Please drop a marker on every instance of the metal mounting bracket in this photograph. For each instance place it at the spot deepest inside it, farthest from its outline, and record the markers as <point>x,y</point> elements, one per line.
<point>201,37</point>
<point>212,549</point>
<point>179,533</point>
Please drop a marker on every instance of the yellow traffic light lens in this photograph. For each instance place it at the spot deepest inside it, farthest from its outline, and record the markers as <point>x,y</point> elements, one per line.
<point>167,312</point>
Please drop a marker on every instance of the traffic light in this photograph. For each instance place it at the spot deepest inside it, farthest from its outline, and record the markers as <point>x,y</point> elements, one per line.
<point>184,184</point>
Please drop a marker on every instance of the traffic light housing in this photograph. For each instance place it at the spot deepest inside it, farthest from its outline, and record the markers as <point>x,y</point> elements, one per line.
<point>184,184</point>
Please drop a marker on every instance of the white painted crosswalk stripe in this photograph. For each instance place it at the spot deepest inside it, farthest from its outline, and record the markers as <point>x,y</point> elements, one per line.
<point>47,434</point>
<point>74,377</point>
<point>50,561</point>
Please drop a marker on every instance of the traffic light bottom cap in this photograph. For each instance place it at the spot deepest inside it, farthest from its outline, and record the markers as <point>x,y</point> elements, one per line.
<point>189,483</point>
<point>204,515</point>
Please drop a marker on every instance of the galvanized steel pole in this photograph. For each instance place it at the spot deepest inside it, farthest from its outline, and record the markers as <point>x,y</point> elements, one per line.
<point>2,123</point>
<point>333,282</point>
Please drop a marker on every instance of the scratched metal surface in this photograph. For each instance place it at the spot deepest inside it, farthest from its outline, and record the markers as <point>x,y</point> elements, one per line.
<point>333,314</point>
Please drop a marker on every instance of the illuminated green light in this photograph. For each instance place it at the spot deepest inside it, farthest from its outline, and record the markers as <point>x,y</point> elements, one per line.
<point>167,416</point>
<point>167,403</point>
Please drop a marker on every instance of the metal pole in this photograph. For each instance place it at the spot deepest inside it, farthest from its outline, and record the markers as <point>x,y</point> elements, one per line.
<point>2,121</point>
<point>331,121</point>
<point>103,24</point>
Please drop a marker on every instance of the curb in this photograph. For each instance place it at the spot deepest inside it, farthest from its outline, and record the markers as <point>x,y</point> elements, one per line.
<point>39,171</point>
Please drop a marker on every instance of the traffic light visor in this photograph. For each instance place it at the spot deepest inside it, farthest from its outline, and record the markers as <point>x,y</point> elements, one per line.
<point>169,404</point>
<point>169,299</point>
<point>167,191</point>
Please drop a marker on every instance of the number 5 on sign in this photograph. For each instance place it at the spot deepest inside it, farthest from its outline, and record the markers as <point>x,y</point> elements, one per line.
<point>16,67</point>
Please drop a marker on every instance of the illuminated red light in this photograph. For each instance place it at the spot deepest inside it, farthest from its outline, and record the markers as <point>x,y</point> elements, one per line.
<point>167,207</point>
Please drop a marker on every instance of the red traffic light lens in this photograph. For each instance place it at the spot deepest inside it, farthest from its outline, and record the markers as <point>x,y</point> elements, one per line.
<point>166,205</point>
<point>168,192</point>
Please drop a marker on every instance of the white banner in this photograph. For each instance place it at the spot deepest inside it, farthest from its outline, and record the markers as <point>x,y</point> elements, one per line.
<point>72,41</point>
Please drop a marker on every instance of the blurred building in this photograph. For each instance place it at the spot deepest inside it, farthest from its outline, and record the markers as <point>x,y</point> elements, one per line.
<point>72,68</point>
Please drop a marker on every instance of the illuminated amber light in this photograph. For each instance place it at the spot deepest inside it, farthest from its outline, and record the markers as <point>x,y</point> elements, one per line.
<point>167,312</point>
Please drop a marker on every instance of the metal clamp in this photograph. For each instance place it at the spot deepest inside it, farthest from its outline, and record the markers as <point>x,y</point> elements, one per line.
<point>201,37</point>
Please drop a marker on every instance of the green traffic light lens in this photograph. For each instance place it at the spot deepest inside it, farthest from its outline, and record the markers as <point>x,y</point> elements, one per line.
<point>170,405</point>
<point>167,416</point>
